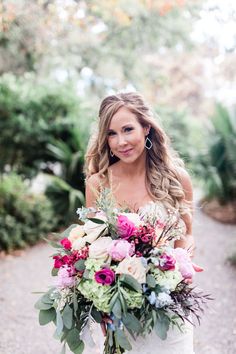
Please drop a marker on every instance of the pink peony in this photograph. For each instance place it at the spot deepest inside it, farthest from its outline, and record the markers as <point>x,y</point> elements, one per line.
<point>125,227</point>
<point>167,262</point>
<point>105,276</point>
<point>64,277</point>
<point>185,264</point>
<point>120,249</point>
<point>66,243</point>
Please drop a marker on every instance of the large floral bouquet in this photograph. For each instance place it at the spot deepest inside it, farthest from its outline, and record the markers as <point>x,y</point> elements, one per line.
<point>119,269</point>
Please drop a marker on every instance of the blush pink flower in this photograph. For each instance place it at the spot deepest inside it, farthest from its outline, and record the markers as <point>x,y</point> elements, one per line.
<point>64,277</point>
<point>120,249</point>
<point>105,276</point>
<point>125,227</point>
<point>65,242</point>
<point>185,264</point>
<point>166,262</point>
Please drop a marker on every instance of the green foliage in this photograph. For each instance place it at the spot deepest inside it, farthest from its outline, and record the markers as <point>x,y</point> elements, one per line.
<point>185,134</point>
<point>66,191</point>
<point>32,115</point>
<point>24,219</point>
<point>217,165</point>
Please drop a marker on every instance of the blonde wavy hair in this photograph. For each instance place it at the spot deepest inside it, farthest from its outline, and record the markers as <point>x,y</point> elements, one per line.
<point>163,165</point>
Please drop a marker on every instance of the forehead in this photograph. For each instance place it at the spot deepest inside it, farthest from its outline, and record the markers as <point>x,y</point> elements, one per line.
<point>122,117</point>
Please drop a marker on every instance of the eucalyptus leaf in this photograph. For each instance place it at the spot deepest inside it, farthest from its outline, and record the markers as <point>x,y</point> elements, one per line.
<point>151,282</point>
<point>75,303</point>
<point>79,349</point>
<point>96,315</point>
<point>59,323</point>
<point>117,308</point>
<point>67,316</point>
<point>80,265</point>
<point>113,300</point>
<point>131,322</point>
<point>123,303</point>
<point>97,221</point>
<point>131,283</point>
<point>46,316</point>
<point>54,244</point>
<point>162,326</point>
<point>40,305</point>
<point>121,340</point>
<point>73,339</point>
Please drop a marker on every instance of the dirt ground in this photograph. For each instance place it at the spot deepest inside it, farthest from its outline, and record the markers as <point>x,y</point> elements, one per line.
<point>30,271</point>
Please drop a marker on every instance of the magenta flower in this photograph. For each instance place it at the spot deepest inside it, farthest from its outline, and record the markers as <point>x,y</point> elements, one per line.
<point>66,243</point>
<point>166,262</point>
<point>125,227</point>
<point>120,249</point>
<point>105,276</point>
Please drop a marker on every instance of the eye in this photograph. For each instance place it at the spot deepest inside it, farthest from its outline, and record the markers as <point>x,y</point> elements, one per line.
<point>128,129</point>
<point>110,133</point>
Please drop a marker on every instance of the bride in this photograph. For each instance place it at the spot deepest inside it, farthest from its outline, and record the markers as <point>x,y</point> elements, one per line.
<point>131,155</point>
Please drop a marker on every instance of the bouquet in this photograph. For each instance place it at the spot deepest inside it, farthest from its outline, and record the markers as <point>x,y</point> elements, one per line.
<point>120,270</point>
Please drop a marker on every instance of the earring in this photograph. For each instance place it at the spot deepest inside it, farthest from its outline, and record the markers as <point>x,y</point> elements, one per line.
<point>148,143</point>
<point>111,153</point>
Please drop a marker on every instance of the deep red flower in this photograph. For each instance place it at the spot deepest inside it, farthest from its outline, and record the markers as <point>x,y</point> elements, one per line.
<point>66,243</point>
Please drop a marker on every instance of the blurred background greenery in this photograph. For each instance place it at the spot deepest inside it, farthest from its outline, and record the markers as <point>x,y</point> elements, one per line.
<point>59,58</point>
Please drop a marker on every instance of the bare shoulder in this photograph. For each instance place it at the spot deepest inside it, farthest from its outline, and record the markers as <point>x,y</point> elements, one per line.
<point>93,181</point>
<point>186,183</point>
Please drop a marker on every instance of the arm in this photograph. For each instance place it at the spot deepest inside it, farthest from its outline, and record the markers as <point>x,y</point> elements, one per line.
<point>92,186</point>
<point>188,241</point>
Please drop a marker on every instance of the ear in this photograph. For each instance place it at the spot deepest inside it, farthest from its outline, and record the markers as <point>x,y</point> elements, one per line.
<point>147,129</point>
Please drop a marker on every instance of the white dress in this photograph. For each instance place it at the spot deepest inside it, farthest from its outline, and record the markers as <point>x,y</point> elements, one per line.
<point>177,342</point>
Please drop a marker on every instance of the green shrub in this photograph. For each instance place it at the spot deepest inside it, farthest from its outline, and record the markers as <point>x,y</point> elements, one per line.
<point>24,218</point>
<point>217,165</point>
<point>33,114</point>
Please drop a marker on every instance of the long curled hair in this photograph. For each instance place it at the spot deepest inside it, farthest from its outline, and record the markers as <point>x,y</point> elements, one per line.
<point>162,163</point>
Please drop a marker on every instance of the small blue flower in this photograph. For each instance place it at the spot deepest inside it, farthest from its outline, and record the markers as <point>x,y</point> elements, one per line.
<point>144,262</point>
<point>111,327</point>
<point>145,288</point>
<point>152,298</point>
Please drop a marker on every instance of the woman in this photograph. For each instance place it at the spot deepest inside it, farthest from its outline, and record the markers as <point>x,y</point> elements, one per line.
<point>131,155</point>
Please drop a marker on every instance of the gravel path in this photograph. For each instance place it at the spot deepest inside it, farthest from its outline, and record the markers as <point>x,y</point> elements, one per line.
<point>28,272</point>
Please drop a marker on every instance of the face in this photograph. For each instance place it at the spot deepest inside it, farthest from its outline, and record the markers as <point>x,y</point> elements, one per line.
<point>126,136</point>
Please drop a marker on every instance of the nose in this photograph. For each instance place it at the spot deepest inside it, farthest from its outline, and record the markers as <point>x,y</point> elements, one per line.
<point>122,140</point>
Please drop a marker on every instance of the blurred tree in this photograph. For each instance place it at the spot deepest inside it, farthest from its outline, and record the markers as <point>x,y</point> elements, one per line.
<point>112,38</point>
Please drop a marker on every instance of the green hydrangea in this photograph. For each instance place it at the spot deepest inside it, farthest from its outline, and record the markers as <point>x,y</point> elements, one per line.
<point>167,279</point>
<point>93,265</point>
<point>133,298</point>
<point>99,294</point>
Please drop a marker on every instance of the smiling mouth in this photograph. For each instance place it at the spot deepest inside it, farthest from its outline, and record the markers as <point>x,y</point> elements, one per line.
<point>125,151</point>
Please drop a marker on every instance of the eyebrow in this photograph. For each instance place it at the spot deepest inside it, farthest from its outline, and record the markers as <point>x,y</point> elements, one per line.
<point>124,126</point>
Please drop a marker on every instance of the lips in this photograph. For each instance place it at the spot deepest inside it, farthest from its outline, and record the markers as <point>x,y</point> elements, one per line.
<point>125,152</point>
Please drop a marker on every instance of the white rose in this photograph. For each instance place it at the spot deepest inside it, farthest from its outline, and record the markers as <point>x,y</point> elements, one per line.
<point>76,233</point>
<point>94,229</point>
<point>134,267</point>
<point>135,218</point>
<point>98,249</point>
